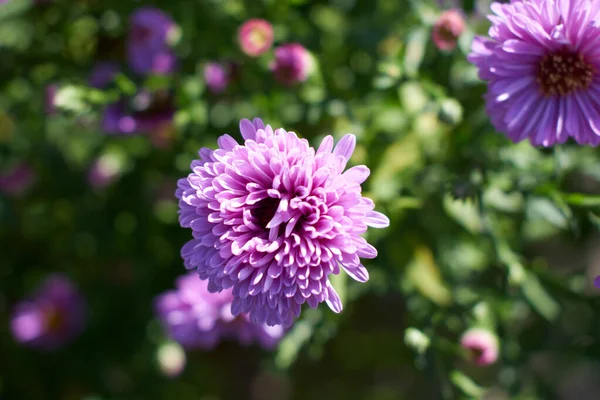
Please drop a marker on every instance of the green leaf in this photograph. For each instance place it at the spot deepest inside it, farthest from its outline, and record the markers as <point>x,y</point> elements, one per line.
<point>13,8</point>
<point>451,111</point>
<point>126,85</point>
<point>539,298</point>
<point>16,34</point>
<point>424,273</point>
<point>72,98</point>
<point>544,208</point>
<point>581,199</point>
<point>416,340</point>
<point>157,82</point>
<point>466,384</point>
<point>465,212</point>
<point>415,51</point>
<point>594,219</point>
<point>290,345</point>
<point>412,97</point>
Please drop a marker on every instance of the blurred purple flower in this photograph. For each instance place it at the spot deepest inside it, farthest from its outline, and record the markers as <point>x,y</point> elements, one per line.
<point>17,180</point>
<point>50,96</point>
<point>292,64</point>
<point>53,317</point>
<point>216,76</point>
<point>482,346</point>
<point>148,49</point>
<point>144,112</point>
<point>273,219</point>
<point>197,318</point>
<point>255,37</point>
<point>103,73</point>
<point>543,70</point>
<point>447,29</point>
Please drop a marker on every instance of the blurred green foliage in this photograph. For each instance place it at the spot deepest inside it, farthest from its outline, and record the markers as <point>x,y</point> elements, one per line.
<point>484,232</point>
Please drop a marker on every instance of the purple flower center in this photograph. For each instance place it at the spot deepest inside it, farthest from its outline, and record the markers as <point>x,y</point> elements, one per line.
<point>563,72</point>
<point>265,211</point>
<point>140,34</point>
<point>53,319</point>
<point>287,73</point>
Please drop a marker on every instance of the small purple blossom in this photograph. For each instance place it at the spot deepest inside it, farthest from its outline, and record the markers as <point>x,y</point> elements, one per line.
<point>197,318</point>
<point>273,218</point>
<point>255,37</point>
<point>17,180</point>
<point>144,112</point>
<point>482,346</point>
<point>53,317</point>
<point>216,76</point>
<point>543,70</point>
<point>103,73</point>
<point>447,29</point>
<point>148,50</point>
<point>292,64</point>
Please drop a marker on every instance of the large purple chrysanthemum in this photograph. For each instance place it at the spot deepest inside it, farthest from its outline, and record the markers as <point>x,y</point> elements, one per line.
<point>542,65</point>
<point>197,318</point>
<point>53,317</point>
<point>273,218</point>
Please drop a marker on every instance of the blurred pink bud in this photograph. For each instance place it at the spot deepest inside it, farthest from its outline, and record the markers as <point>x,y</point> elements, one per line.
<point>482,346</point>
<point>449,26</point>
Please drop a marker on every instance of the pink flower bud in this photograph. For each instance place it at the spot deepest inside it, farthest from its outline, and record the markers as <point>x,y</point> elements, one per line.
<point>447,29</point>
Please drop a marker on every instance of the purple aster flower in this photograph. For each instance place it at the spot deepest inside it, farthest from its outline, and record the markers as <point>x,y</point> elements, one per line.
<point>542,67</point>
<point>273,218</point>
<point>148,48</point>
<point>292,64</point>
<point>216,76</point>
<point>144,112</point>
<point>447,29</point>
<point>103,73</point>
<point>197,318</point>
<point>255,37</point>
<point>482,346</point>
<point>17,180</point>
<point>53,317</point>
